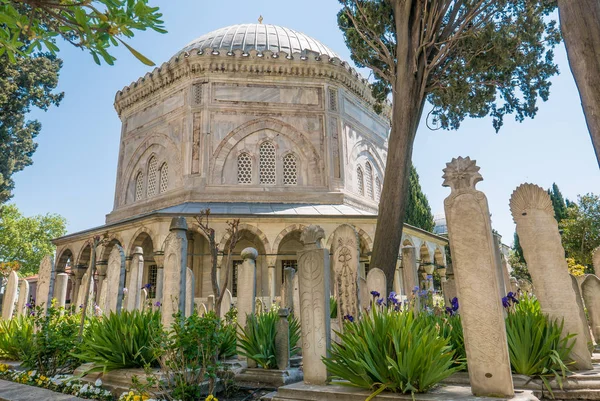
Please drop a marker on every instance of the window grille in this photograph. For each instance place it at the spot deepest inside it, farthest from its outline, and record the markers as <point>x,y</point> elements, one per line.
<point>377,188</point>
<point>290,170</point>
<point>360,184</point>
<point>244,169</point>
<point>333,100</point>
<point>369,179</point>
<point>367,268</point>
<point>234,282</point>
<point>288,263</point>
<point>139,186</point>
<point>152,176</point>
<point>152,273</point>
<point>164,178</point>
<point>267,163</point>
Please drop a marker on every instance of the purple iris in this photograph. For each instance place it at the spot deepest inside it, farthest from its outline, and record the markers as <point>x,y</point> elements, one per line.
<point>505,302</point>
<point>449,311</point>
<point>416,289</point>
<point>429,277</point>
<point>512,298</point>
<point>392,298</point>
<point>454,303</point>
<point>375,294</point>
<point>147,286</point>
<point>380,301</point>
<point>423,293</point>
<point>349,318</point>
<point>28,305</point>
<point>157,303</point>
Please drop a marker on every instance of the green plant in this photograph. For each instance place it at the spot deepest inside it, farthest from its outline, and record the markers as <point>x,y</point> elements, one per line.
<point>333,308</point>
<point>451,328</point>
<point>54,342</point>
<point>295,333</point>
<point>120,341</point>
<point>536,345</point>
<point>391,350</point>
<point>15,336</point>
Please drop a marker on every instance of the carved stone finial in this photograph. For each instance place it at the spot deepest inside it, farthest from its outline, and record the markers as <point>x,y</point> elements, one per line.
<point>528,197</point>
<point>260,19</point>
<point>312,235</point>
<point>178,223</point>
<point>249,253</point>
<point>138,251</point>
<point>461,173</point>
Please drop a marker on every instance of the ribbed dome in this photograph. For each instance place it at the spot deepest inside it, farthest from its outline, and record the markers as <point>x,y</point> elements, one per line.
<point>260,37</point>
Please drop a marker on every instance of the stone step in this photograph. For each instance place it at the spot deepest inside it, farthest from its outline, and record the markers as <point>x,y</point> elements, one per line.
<point>10,391</point>
<point>560,395</point>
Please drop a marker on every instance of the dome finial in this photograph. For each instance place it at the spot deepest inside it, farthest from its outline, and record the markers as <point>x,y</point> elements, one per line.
<point>260,19</point>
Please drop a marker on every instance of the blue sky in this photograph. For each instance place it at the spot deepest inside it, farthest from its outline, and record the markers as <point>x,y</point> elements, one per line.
<point>74,167</point>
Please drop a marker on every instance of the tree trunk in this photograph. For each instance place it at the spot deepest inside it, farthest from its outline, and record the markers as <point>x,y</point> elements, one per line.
<point>407,109</point>
<point>580,26</point>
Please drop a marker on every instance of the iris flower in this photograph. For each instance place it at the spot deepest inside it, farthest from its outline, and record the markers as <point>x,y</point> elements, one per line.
<point>375,294</point>
<point>349,318</point>
<point>512,298</point>
<point>505,302</point>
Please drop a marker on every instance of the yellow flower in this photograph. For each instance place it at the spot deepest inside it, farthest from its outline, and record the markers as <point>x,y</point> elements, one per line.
<point>211,398</point>
<point>30,372</point>
<point>137,398</point>
<point>43,378</point>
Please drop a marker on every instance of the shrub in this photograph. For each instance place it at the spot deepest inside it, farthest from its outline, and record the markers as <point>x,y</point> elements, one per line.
<point>54,342</point>
<point>16,336</point>
<point>228,347</point>
<point>391,350</point>
<point>119,341</point>
<point>536,345</point>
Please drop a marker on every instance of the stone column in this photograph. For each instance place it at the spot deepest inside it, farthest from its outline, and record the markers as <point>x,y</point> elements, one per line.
<point>60,289</point>
<point>23,296</point>
<point>159,259</point>
<point>472,247</point>
<point>287,289</point>
<point>101,268</point>
<point>246,292</point>
<point>189,292</point>
<point>537,228</point>
<point>272,283</point>
<point>282,340</point>
<point>296,297</point>
<point>45,283</point>
<point>175,271</point>
<point>10,295</point>
<point>78,272</point>
<point>136,275</point>
<point>346,266</point>
<point>398,288</point>
<point>313,277</point>
<point>376,281</point>
<point>409,272</point>
<point>591,296</point>
<point>210,302</point>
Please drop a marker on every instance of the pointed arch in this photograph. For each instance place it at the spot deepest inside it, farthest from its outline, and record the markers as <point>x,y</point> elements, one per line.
<point>163,184</point>
<point>152,175</point>
<point>139,187</point>
<point>360,183</point>
<point>369,180</point>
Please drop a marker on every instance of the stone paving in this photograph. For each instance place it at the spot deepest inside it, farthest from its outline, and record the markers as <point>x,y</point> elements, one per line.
<point>10,391</point>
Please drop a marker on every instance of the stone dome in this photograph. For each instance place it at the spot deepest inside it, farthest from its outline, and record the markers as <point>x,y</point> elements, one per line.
<point>260,37</point>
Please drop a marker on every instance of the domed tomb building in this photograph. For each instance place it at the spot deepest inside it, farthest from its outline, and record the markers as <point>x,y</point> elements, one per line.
<point>252,121</point>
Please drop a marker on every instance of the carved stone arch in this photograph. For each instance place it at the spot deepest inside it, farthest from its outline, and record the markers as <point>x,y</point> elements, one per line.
<point>84,255</point>
<point>284,232</point>
<point>195,228</point>
<point>254,230</point>
<point>438,256</point>
<point>114,238</point>
<point>297,137</point>
<point>364,236</point>
<point>425,254</point>
<point>62,255</point>
<point>131,243</point>
<point>364,148</point>
<point>164,149</point>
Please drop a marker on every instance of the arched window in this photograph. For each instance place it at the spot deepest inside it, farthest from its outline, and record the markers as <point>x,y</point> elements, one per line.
<point>139,186</point>
<point>360,184</point>
<point>152,170</point>
<point>266,166</point>
<point>290,170</point>
<point>244,165</point>
<point>369,179</point>
<point>164,178</point>
<point>377,188</point>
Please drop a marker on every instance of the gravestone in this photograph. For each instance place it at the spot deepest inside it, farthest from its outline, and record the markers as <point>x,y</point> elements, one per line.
<point>313,278</point>
<point>202,310</point>
<point>210,303</point>
<point>189,292</point>
<point>246,294</point>
<point>287,289</point>
<point>226,303</point>
<point>10,295</point>
<point>588,335</point>
<point>45,283</point>
<point>282,339</point>
<point>591,296</point>
<point>23,296</point>
<point>296,297</point>
<point>60,289</point>
<point>596,259</point>
<point>174,283</point>
<point>376,282</point>
<point>475,270</point>
<point>537,228</point>
<point>86,287</point>
<point>410,279</point>
<point>111,295</point>
<point>346,267</point>
<point>398,287</point>
<point>143,299</point>
<point>134,279</point>
<point>259,306</point>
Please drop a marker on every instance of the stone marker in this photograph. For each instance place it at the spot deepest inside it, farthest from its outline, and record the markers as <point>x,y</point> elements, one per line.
<point>174,271</point>
<point>259,306</point>
<point>111,296</point>
<point>287,289</point>
<point>376,282</point>
<point>398,287</point>
<point>60,289</point>
<point>134,279</point>
<point>596,259</point>
<point>588,335</point>
<point>282,340</point>
<point>591,296</point>
<point>472,248</point>
<point>246,292</point>
<point>10,295</point>
<point>210,303</point>
<point>143,299</point>
<point>537,228</point>
<point>409,273</point>
<point>313,278</point>
<point>226,303</point>
<point>296,297</point>
<point>345,249</point>
<point>86,286</point>
<point>189,292</point>
<point>23,296</point>
<point>45,283</point>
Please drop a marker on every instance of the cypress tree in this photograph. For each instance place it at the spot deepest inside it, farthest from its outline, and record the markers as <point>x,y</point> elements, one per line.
<point>418,211</point>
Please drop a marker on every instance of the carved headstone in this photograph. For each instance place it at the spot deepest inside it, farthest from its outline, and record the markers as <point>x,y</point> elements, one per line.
<point>246,294</point>
<point>189,292</point>
<point>591,296</point>
<point>60,289</point>
<point>134,280</point>
<point>398,287</point>
<point>174,271</point>
<point>282,340</point>
<point>202,310</point>
<point>296,297</point>
<point>10,295</point>
<point>588,335</point>
<point>210,303</point>
<point>287,289</point>
<point>111,295</point>
<point>346,266</point>
<point>537,228</point>
<point>376,282</point>
<point>23,296</point>
<point>410,279</point>
<point>226,303</point>
<point>143,299</point>
<point>313,277</point>
<point>475,270</point>
<point>45,283</point>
